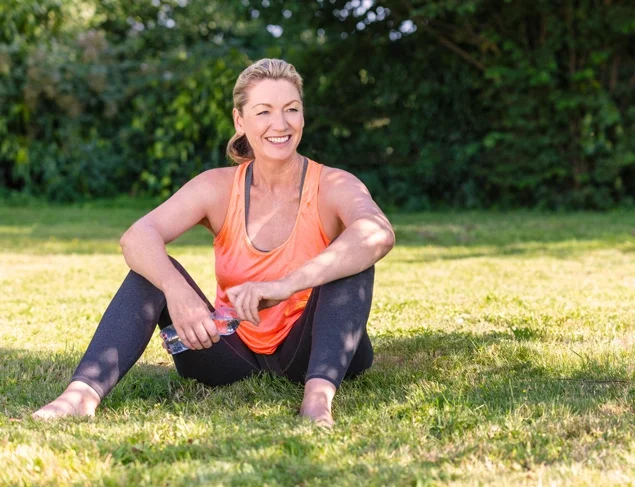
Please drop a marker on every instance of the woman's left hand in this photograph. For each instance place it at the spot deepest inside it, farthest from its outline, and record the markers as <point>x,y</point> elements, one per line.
<point>249,297</point>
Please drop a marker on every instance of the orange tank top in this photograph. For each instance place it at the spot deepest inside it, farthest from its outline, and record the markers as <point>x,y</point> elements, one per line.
<point>238,261</point>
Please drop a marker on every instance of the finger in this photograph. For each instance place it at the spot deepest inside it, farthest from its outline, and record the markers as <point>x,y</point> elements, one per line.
<point>192,338</point>
<point>233,293</point>
<point>183,336</point>
<point>256,307</point>
<point>239,307</point>
<point>212,331</point>
<point>240,312</point>
<point>203,336</point>
<point>253,308</point>
<point>247,306</point>
<point>242,303</point>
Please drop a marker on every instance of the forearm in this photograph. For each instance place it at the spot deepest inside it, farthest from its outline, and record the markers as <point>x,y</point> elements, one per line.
<point>361,245</point>
<point>145,253</point>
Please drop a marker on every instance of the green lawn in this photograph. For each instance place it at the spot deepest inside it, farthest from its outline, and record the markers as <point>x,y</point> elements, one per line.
<point>504,356</point>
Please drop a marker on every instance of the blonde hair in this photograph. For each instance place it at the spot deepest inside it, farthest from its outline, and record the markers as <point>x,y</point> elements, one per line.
<point>238,148</point>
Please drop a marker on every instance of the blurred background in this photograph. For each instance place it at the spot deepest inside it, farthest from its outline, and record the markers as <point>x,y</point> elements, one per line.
<point>433,104</point>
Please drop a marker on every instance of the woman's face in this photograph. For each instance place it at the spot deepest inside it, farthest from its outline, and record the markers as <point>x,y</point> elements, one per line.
<point>272,119</point>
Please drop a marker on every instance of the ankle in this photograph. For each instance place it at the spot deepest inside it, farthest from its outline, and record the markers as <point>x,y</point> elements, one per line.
<point>83,393</point>
<point>320,388</point>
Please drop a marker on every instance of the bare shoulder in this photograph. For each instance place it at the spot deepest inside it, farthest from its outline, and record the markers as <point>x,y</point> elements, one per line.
<point>215,186</point>
<point>336,182</point>
<point>340,188</point>
<point>221,176</point>
<point>212,186</point>
<point>203,200</point>
<point>343,199</point>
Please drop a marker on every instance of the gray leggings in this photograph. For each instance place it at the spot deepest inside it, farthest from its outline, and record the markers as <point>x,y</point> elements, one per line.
<point>328,341</point>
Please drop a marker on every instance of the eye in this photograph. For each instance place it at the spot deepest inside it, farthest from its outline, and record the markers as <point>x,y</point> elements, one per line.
<point>264,112</point>
<point>293,110</point>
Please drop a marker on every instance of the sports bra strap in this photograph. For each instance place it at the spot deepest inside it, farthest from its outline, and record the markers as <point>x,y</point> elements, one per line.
<point>249,178</point>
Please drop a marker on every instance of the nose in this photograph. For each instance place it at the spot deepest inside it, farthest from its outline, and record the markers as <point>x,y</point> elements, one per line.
<point>279,122</point>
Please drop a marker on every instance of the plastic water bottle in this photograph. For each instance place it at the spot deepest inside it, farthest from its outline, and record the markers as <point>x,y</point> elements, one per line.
<point>225,319</point>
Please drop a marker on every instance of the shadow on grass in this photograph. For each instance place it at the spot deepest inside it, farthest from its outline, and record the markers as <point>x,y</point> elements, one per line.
<point>29,380</point>
<point>443,384</point>
<point>458,381</point>
<point>497,369</point>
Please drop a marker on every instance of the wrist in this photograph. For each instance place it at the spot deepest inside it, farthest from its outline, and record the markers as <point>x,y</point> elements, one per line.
<point>172,282</point>
<point>292,283</point>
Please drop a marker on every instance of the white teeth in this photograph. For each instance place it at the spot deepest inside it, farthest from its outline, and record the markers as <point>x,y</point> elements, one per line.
<point>278,140</point>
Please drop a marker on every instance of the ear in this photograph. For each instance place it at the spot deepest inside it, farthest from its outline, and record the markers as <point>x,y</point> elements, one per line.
<point>238,121</point>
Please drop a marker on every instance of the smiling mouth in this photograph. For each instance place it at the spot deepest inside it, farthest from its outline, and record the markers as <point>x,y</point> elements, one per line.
<point>278,140</point>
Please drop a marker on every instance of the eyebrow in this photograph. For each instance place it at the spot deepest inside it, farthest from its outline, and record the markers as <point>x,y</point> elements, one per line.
<point>270,106</point>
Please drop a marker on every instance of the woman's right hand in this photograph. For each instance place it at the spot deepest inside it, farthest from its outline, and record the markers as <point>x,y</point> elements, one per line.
<point>191,318</point>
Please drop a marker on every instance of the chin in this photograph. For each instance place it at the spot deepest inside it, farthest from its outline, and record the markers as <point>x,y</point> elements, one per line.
<point>280,155</point>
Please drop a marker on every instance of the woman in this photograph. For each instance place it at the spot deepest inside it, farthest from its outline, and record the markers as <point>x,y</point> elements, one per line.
<point>295,243</point>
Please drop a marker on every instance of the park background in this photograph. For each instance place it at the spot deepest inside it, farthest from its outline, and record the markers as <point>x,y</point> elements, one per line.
<point>433,104</point>
<point>497,135</point>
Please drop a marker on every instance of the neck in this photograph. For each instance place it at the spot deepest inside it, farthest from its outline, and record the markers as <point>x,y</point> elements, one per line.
<point>276,175</point>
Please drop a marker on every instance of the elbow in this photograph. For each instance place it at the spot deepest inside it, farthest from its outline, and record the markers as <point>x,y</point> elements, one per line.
<point>386,240</point>
<point>124,242</point>
<point>126,239</point>
<point>379,236</point>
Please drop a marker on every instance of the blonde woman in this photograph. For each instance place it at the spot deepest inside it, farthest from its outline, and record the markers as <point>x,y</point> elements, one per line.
<point>294,242</point>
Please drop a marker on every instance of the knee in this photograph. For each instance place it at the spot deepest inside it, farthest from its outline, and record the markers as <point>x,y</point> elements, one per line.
<point>362,280</point>
<point>135,282</point>
<point>366,275</point>
<point>355,290</point>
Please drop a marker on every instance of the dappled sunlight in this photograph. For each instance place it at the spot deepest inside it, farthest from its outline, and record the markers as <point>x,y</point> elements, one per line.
<point>481,347</point>
<point>107,360</point>
<point>350,341</point>
<point>343,299</point>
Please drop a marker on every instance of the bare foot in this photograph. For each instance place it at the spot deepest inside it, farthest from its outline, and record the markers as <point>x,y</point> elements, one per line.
<point>79,399</point>
<point>316,405</point>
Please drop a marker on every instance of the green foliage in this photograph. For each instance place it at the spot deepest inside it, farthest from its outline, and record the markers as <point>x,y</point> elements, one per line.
<point>96,111</point>
<point>444,103</point>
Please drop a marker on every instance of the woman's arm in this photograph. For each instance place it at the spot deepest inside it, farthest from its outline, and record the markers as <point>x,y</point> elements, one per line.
<point>367,236</point>
<point>144,242</point>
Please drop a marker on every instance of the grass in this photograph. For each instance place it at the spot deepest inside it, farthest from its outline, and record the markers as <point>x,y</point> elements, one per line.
<point>504,356</point>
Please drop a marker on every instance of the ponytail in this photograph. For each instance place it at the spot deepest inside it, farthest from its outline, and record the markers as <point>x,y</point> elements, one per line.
<point>239,150</point>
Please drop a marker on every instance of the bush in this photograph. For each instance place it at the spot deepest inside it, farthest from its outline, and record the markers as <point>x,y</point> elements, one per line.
<point>498,104</point>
